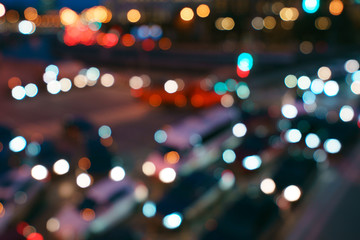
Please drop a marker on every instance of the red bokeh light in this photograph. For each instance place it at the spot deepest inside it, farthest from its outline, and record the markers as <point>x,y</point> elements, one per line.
<point>148,45</point>
<point>128,40</point>
<point>110,40</point>
<point>35,236</point>
<point>242,74</point>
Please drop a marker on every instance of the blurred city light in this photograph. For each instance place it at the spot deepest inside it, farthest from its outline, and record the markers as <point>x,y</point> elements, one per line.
<point>268,186</point>
<point>149,209</point>
<point>331,88</point>
<point>346,113</point>
<point>239,130</point>
<point>18,92</point>
<point>293,135</point>
<point>252,162</point>
<point>117,174</point>
<point>227,180</point>
<point>203,10</point>
<point>289,111</point>
<point>292,193</point>
<point>167,175</point>
<point>187,14</point>
<point>229,156</point>
<point>17,144</point>
<point>83,180</point>
<point>172,220</point>
<point>39,172</point>
<point>245,62</point>
<point>312,140</point>
<point>104,131</point>
<point>53,225</point>
<point>61,167</point>
<point>311,6</point>
<point>27,27</point>
<point>133,15</point>
<point>332,145</point>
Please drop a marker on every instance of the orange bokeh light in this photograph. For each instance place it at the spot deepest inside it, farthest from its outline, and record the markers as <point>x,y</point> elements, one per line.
<point>336,7</point>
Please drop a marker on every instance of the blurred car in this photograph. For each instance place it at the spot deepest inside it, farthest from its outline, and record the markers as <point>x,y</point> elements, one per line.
<point>106,203</point>
<point>345,132</point>
<point>194,142</point>
<point>77,128</point>
<point>187,198</point>
<point>5,153</point>
<point>294,171</point>
<point>253,153</point>
<point>247,218</point>
<point>118,232</point>
<point>194,93</point>
<point>18,191</point>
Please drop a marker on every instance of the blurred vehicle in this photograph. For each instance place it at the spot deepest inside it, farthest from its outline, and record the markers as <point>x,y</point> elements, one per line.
<point>196,93</point>
<point>80,136</point>
<point>77,128</point>
<point>293,171</point>
<point>247,218</point>
<point>118,232</point>
<point>345,132</point>
<point>189,196</point>
<point>106,203</point>
<point>18,191</point>
<point>194,142</point>
<point>254,151</point>
<point>5,137</point>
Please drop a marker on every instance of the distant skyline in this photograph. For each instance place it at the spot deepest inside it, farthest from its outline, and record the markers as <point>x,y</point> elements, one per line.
<point>77,5</point>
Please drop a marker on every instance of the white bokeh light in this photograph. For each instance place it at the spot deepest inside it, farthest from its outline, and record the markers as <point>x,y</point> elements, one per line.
<point>267,186</point>
<point>61,167</point>
<point>148,168</point>
<point>31,90</point>
<point>107,80</point>
<point>53,225</point>
<point>252,162</point>
<point>26,27</point>
<point>229,156</point>
<point>83,180</point>
<point>136,82</point>
<point>332,145</point>
<point>239,130</point>
<point>171,86</point>
<point>17,144</point>
<point>331,88</point>
<point>117,174</point>
<point>292,193</point>
<point>49,76</point>
<point>167,175</point>
<point>346,113</point>
<point>52,68</point>
<point>39,172</point>
<point>304,82</point>
<point>172,220</point>
<point>351,66</point>
<point>312,140</point>
<point>65,84</point>
<point>18,92</point>
<point>289,111</point>
<point>293,135</point>
<point>93,74</point>
<point>317,86</point>
<point>54,87</point>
